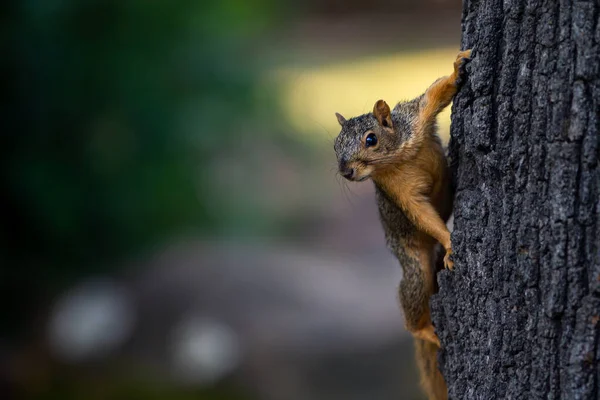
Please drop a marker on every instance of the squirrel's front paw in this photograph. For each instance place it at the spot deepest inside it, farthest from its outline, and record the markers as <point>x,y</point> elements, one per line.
<point>448,263</point>
<point>459,65</point>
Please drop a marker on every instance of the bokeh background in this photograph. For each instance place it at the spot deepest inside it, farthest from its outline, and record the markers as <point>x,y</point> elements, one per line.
<point>172,223</point>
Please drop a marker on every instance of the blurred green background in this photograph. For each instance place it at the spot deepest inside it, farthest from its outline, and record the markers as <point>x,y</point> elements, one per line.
<point>118,110</point>
<point>167,162</point>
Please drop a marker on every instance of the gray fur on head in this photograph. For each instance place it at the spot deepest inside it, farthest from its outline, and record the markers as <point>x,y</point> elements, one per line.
<point>349,144</point>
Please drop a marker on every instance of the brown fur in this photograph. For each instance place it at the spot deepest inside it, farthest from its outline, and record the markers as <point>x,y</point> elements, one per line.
<point>432,380</point>
<point>412,182</point>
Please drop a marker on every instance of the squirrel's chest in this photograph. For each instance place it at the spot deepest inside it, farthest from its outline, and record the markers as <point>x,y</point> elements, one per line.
<point>396,225</point>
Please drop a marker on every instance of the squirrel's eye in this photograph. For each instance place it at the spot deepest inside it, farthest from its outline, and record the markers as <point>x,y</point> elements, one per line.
<point>371,140</point>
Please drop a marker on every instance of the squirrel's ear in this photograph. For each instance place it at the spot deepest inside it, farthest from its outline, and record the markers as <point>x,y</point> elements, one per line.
<point>340,118</point>
<point>381,110</point>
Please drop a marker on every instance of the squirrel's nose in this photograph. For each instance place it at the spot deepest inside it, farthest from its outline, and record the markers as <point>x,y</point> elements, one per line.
<point>348,173</point>
<point>344,170</point>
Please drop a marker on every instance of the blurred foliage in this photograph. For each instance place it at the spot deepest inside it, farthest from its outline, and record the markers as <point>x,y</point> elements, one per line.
<point>113,113</point>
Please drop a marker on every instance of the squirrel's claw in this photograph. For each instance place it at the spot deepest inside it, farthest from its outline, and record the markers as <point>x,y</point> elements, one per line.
<point>464,54</point>
<point>459,65</point>
<point>448,263</point>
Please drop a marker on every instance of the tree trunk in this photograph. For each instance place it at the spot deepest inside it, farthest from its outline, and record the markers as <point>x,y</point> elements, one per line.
<point>519,316</point>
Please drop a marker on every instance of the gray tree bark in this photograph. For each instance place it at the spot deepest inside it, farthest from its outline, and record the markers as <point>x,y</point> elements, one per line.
<point>519,316</point>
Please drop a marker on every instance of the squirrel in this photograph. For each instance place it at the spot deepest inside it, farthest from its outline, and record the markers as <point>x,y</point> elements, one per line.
<point>403,155</point>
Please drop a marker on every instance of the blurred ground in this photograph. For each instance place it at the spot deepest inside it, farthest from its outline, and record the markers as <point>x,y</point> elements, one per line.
<point>295,297</point>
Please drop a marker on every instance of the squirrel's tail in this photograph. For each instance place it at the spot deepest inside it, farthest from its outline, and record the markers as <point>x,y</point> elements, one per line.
<point>432,380</point>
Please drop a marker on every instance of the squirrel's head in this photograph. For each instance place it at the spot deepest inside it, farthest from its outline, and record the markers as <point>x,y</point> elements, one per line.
<point>366,144</point>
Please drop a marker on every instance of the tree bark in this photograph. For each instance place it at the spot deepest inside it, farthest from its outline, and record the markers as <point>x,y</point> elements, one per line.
<point>519,316</point>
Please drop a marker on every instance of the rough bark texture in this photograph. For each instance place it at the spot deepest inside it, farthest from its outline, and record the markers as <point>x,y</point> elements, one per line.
<point>519,316</point>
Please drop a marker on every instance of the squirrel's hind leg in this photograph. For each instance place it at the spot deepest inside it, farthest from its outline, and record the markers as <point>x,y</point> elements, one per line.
<point>414,292</point>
